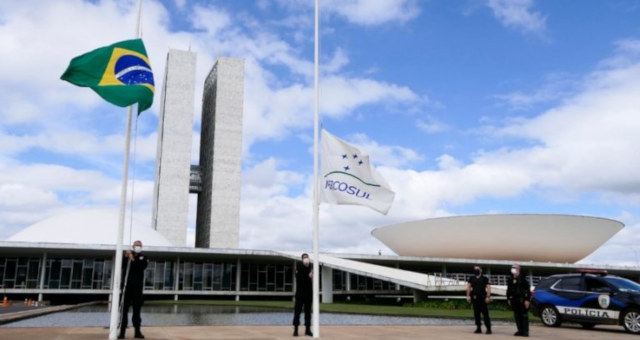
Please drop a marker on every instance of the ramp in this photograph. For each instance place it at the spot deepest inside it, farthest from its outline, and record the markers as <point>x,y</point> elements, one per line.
<point>419,281</point>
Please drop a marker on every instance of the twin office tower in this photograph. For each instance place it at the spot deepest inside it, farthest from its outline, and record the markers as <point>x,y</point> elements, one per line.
<point>216,180</point>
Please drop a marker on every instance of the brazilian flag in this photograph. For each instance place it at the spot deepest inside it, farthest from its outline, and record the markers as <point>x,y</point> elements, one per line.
<point>119,73</point>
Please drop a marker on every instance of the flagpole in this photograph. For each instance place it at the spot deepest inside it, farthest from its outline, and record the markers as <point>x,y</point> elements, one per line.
<point>316,255</point>
<point>115,289</point>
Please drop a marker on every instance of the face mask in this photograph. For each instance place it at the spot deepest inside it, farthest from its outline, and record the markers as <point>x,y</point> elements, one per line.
<point>137,249</point>
<point>305,261</point>
<point>476,272</point>
<point>514,271</point>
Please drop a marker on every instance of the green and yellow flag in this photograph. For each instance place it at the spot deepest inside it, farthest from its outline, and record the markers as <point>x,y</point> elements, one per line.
<point>120,74</point>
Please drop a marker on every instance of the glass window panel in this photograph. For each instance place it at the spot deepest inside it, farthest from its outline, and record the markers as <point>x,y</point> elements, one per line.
<point>77,270</point>
<point>87,276</point>
<point>149,273</point>
<point>98,268</point>
<point>10,269</point>
<point>65,277</point>
<point>244,277</point>
<point>2,262</point>
<point>108,272</point>
<point>188,276</point>
<point>21,276</point>
<point>56,267</point>
<point>168,275</point>
<point>208,276</point>
<point>158,277</point>
<point>229,278</point>
<point>197,276</point>
<point>34,270</point>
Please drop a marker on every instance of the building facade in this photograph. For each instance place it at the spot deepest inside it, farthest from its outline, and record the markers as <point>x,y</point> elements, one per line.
<point>173,159</point>
<point>218,214</point>
<point>60,273</point>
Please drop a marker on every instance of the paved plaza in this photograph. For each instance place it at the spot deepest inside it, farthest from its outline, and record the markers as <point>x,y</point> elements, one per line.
<point>327,332</point>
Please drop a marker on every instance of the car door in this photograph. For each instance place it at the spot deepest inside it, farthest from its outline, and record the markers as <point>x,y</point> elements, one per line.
<point>570,296</point>
<point>598,305</point>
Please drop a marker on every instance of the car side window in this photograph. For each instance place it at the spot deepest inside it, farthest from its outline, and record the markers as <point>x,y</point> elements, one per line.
<point>569,283</point>
<point>597,286</point>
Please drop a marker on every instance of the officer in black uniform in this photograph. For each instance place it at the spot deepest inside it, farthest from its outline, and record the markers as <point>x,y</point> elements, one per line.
<point>304,294</point>
<point>519,298</point>
<point>137,262</point>
<point>479,294</point>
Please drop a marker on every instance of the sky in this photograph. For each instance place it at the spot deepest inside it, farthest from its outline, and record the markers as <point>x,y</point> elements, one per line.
<point>465,107</point>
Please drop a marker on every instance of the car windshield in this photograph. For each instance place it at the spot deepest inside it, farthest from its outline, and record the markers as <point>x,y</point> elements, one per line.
<point>624,285</point>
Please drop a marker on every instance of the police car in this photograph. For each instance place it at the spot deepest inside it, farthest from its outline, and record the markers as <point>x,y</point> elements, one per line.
<point>588,297</point>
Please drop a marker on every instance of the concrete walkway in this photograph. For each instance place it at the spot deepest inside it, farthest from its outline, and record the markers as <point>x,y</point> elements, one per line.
<point>327,332</point>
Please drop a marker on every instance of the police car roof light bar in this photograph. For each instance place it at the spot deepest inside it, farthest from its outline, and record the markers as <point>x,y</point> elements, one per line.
<point>592,271</point>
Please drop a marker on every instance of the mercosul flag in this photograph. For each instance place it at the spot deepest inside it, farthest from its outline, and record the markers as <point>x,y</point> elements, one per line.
<point>347,177</point>
<point>120,73</point>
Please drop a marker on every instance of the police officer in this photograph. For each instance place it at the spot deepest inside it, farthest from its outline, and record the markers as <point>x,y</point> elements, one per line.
<point>519,298</point>
<point>136,263</point>
<point>304,294</point>
<point>479,294</point>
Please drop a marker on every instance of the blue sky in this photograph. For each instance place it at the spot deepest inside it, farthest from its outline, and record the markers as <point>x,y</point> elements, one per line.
<point>465,107</point>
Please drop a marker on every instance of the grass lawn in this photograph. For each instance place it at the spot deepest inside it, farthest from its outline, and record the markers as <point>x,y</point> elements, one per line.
<point>353,308</point>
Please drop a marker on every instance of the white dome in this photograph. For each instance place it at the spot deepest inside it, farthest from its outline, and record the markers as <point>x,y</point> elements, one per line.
<point>522,237</point>
<point>88,226</point>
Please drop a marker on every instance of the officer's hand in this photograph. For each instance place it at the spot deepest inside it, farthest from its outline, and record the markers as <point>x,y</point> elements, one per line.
<point>487,299</point>
<point>469,299</point>
<point>311,275</point>
<point>128,254</point>
<point>527,304</point>
<point>509,302</point>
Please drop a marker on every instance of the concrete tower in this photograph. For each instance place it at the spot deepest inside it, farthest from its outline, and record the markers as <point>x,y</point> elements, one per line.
<point>175,131</point>
<point>218,214</point>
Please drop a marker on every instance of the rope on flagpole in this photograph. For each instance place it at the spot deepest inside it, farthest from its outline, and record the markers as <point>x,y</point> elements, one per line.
<point>133,180</point>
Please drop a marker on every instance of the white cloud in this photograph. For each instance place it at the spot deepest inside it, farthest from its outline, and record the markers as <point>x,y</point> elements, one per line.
<point>555,86</point>
<point>349,93</point>
<point>587,143</point>
<point>517,14</point>
<point>432,125</point>
<point>339,60</point>
<point>622,249</point>
<point>368,13</point>
<point>384,155</point>
<point>584,145</point>
<point>273,113</point>
<point>18,196</point>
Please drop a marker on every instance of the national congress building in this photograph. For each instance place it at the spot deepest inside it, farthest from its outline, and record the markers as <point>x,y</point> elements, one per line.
<point>70,257</point>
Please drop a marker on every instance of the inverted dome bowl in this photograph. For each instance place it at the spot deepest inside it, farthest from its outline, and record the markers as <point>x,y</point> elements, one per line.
<point>521,237</point>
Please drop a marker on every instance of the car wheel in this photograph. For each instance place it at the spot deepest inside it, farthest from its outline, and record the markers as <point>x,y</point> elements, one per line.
<point>631,321</point>
<point>587,325</point>
<point>550,316</point>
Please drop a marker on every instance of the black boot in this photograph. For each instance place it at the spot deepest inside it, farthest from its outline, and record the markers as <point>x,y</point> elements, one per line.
<point>121,335</point>
<point>138,334</point>
<point>307,331</point>
<point>295,330</point>
<point>478,330</point>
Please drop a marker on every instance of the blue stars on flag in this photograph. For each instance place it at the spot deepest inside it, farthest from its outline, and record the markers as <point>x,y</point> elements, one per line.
<point>353,157</point>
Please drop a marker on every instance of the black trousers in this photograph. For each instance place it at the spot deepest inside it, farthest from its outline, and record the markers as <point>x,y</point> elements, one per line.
<point>133,299</point>
<point>521,316</point>
<point>480,307</point>
<point>300,303</point>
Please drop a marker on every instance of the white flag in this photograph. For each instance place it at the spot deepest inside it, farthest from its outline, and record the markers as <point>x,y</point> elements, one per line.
<point>347,177</point>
